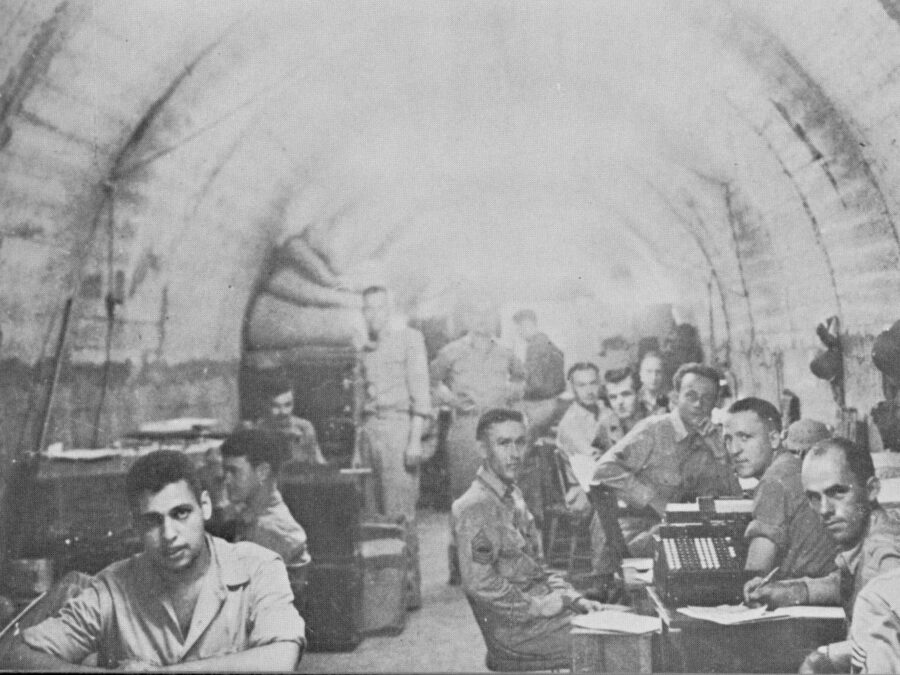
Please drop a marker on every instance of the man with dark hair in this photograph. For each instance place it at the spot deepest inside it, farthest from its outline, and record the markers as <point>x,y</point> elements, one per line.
<point>585,427</point>
<point>785,532</point>
<point>669,458</point>
<point>651,372</point>
<point>397,405</point>
<point>251,460</point>
<point>279,418</point>
<point>188,602</point>
<point>471,375</point>
<point>526,610</point>
<point>839,480</point>
<point>622,392</point>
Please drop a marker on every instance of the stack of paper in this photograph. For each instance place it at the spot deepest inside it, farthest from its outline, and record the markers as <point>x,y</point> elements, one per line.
<point>623,623</point>
<point>733,615</point>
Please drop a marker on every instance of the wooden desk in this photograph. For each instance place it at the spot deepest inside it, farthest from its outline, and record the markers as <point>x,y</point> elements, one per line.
<point>777,646</point>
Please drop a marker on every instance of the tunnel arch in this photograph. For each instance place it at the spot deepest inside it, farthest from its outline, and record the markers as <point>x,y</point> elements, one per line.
<point>722,136</point>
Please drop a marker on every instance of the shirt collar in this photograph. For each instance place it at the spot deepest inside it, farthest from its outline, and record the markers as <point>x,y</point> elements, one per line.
<point>595,413</point>
<point>681,431</point>
<point>265,502</point>
<point>224,563</point>
<point>491,479</point>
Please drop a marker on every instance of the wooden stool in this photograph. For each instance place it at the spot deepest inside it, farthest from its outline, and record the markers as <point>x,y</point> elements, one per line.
<point>594,652</point>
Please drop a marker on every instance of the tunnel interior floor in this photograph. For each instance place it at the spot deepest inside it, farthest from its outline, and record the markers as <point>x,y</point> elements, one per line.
<point>441,636</point>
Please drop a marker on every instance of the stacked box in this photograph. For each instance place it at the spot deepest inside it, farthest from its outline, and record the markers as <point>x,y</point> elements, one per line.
<point>384,586</point>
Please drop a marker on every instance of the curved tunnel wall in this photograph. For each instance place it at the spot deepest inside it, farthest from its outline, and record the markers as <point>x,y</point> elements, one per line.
<point>746,151</point>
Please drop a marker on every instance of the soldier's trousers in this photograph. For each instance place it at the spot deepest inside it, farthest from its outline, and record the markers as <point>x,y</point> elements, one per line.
<point>547,638</point>
<point>396,489</point>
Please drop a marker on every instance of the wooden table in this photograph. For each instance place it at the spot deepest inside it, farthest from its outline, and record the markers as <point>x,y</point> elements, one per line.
<point>777,646</point>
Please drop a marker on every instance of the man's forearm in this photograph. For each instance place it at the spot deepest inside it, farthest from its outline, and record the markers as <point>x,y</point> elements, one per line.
<point>276,657</point>
<point>23,657</point>
<point>824,590</point>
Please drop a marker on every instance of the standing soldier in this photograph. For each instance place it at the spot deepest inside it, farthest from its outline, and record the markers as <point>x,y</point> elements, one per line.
<point>471,375</point>
<point>397,403</point>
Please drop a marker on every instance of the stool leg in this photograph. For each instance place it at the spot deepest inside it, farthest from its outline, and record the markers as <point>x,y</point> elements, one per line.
<point>551,540</point>
<point>573,547</point>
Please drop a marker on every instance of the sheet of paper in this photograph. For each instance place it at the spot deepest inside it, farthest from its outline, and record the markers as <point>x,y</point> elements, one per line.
<point>610,621</point>
<point>814,612</point>
<point>178,425</point>
<point>732,615</point>
<point>583,468</point>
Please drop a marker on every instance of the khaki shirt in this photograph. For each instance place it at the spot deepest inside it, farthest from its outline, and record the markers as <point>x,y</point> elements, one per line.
<point>877,552</point>
<point>782,514</point>
<point>501,559</point>
<point>480,378</point>
<point>123,615</point>
<point>273,527</point>
<point>875,631</point>
<point>660,461</point>
<point>395,368</point>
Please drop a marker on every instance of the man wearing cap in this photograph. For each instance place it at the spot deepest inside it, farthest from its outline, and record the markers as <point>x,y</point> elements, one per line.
<point>785,532</point>
<point>803,434</point>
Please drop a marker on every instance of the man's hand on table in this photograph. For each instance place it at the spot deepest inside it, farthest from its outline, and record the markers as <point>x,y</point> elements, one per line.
<point>775,593</point>
<point>585,606</point>
<point>818,662</point>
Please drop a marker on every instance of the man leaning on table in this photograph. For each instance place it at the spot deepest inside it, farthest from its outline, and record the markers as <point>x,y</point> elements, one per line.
<point>839,481</point>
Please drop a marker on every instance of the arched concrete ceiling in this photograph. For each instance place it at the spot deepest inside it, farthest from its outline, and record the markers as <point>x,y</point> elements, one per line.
<point>657,151</point>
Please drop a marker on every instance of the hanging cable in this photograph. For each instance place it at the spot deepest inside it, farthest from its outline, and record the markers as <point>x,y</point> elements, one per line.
<point>113,298</point>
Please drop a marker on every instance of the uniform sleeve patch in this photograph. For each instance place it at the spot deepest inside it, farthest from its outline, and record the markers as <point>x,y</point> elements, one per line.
<point>482,548</point>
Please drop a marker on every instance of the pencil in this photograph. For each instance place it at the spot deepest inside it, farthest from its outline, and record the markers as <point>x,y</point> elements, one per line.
<point>768,577</point>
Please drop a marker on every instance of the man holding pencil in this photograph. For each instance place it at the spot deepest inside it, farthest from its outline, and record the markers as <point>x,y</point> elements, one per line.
<point>840,484</point>
<point>785,532</point>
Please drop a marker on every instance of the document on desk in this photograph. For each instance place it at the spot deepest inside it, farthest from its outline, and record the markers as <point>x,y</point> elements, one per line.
<point>733,615</point>
<point>815,611</point>
<point>624,623</point>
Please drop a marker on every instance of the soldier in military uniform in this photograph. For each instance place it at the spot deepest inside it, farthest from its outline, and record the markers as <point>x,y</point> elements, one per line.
<point>839,480</point>
<point>397,405</point>
<point>524,611</point>
<point>875,632</point>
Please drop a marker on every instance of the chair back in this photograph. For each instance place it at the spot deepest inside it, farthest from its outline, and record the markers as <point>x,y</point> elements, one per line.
<point>502,659</point>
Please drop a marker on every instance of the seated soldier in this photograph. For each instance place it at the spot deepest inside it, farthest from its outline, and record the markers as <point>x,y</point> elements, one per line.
<point>189,601</point>
<point>875,632</point>
<point>803,434</point>
<point>785,532</point>
<point>652,392</point>
<point>622,391</point>
<point>525,610</point>
<point>252,459</point>
<point>839,480</point>
<point>280,419</point>
<point>675,457</point>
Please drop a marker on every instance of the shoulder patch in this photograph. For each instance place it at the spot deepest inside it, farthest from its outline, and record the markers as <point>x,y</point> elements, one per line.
<point>482,548</point>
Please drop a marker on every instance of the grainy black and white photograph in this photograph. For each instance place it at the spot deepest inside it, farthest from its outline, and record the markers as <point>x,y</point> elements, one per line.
<point>450,336</point>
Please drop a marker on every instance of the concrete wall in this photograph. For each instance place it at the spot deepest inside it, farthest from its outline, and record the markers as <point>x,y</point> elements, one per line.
<point>736,160</point>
